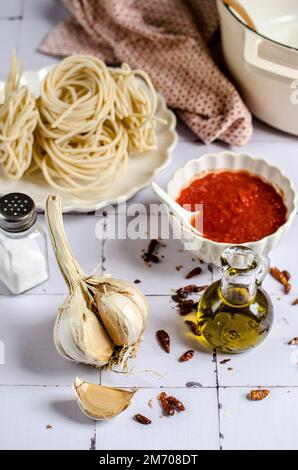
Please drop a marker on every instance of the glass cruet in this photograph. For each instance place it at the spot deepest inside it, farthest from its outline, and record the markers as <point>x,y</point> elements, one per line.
<point>235,313</point>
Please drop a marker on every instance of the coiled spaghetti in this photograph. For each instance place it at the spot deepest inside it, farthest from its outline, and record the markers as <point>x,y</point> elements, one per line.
<point>91,118</point>
<point>135,108</point>
<point>18,119</point>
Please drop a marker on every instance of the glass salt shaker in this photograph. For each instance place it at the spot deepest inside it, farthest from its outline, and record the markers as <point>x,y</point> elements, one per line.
<point>23,244</point>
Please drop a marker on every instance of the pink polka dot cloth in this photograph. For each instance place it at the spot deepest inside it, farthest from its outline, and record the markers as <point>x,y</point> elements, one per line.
<point>168,39</point>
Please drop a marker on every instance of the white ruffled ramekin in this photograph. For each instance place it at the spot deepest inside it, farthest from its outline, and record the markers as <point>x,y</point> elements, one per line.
<point>209,250</point>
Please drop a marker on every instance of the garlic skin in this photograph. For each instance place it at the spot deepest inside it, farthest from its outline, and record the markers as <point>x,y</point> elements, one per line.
<point>81,338</point>
<point>123,309</point>
<point>102,320</point>
<point>121,316</point>
<point>100,402</point>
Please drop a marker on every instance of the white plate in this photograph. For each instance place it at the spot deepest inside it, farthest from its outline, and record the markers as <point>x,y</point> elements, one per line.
<point>140,172</point>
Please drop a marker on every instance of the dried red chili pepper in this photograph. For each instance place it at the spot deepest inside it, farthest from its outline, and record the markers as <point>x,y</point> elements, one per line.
<point>295,302</point>
<point>153,258</point>
<point>152,246</point>
<point>278,275</point>
<point>148,255</point>
<point>184,310</point>
<point>166,406</point>
<point>183,292</point>
<point>142,419</point>
<point>194,272</point>
<point>257,395</point>
<point>281,278</point>
<point>287,275</point>
<point>224,361</point>
<point>186,306</point>
<point>294,341</point>
<point>164,340</point>
<point>187,355</point>
<point>194,327</point>
<point>287,288</point>
<point>177,403</point>
<point>186,303</point>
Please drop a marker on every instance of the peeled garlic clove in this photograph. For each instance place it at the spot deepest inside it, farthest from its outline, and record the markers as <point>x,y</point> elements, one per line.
<point>121,316</point>
<point>100,402</point>
<point>79,335</point>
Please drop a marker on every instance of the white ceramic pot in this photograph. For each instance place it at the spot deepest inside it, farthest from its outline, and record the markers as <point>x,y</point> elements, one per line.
<point>264,64</point>
<point>209,250</point>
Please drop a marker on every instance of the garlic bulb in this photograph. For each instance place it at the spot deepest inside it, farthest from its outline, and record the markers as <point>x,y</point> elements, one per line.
<point>100,402</point>
<point>102,320</point>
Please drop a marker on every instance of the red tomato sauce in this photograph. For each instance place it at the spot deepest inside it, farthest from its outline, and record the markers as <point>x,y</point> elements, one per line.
<point>238,207</point>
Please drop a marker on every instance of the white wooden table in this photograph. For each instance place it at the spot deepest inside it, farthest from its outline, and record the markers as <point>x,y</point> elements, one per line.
<point>35,383</point>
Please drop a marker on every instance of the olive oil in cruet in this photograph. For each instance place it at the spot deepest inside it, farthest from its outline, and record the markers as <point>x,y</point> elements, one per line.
<point>235,313</point>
